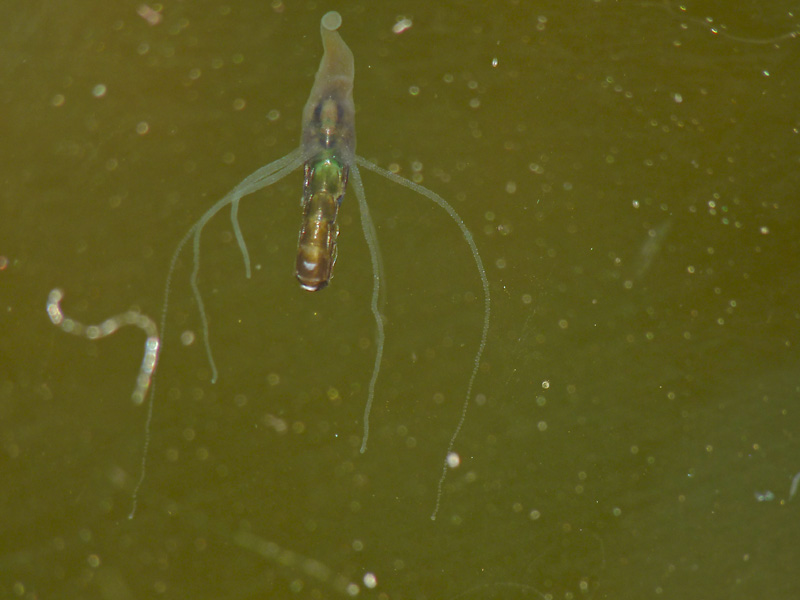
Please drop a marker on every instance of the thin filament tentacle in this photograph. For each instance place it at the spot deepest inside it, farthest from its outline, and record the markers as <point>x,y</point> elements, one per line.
<point>486,298</point>
<point>377,275</point>
<point>260,179</point>
<point>266,175</point>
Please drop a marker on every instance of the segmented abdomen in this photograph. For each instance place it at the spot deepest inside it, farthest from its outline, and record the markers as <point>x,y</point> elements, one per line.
<point>323,189</point>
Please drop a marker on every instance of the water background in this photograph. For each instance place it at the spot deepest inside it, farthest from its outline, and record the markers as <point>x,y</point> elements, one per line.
<point>630,173</point>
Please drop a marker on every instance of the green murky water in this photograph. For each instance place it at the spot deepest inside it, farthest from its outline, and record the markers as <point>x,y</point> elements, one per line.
<point>631,179</point>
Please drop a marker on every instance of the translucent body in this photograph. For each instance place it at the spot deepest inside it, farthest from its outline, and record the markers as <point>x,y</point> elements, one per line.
<point>327,152</point>
<point>329,114</point>
<point>329,143</point>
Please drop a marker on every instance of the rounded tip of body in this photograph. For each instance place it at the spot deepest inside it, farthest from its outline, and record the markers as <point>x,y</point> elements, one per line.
<point>311,284</point>
<point>331,21</point>
<point>314,267</point>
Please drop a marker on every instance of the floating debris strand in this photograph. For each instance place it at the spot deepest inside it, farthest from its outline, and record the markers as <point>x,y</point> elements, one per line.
<point>106,328</point>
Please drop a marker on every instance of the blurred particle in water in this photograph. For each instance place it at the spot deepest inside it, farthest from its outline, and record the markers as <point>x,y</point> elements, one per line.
<point>453,460</point>
<point>402,24</point>
<point>370,581</point>
<point>152,16</point>
<point>276,423</point>
<point>651,247</point>
<point>795,484</point>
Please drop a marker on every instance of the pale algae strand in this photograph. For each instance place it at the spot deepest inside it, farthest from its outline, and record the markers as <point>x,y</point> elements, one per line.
<point>108,327</point>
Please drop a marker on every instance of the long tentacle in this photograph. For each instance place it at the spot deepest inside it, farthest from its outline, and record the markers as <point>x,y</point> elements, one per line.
<point>261,178</point>
<point>486,299</point>
<point>377,275</point>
